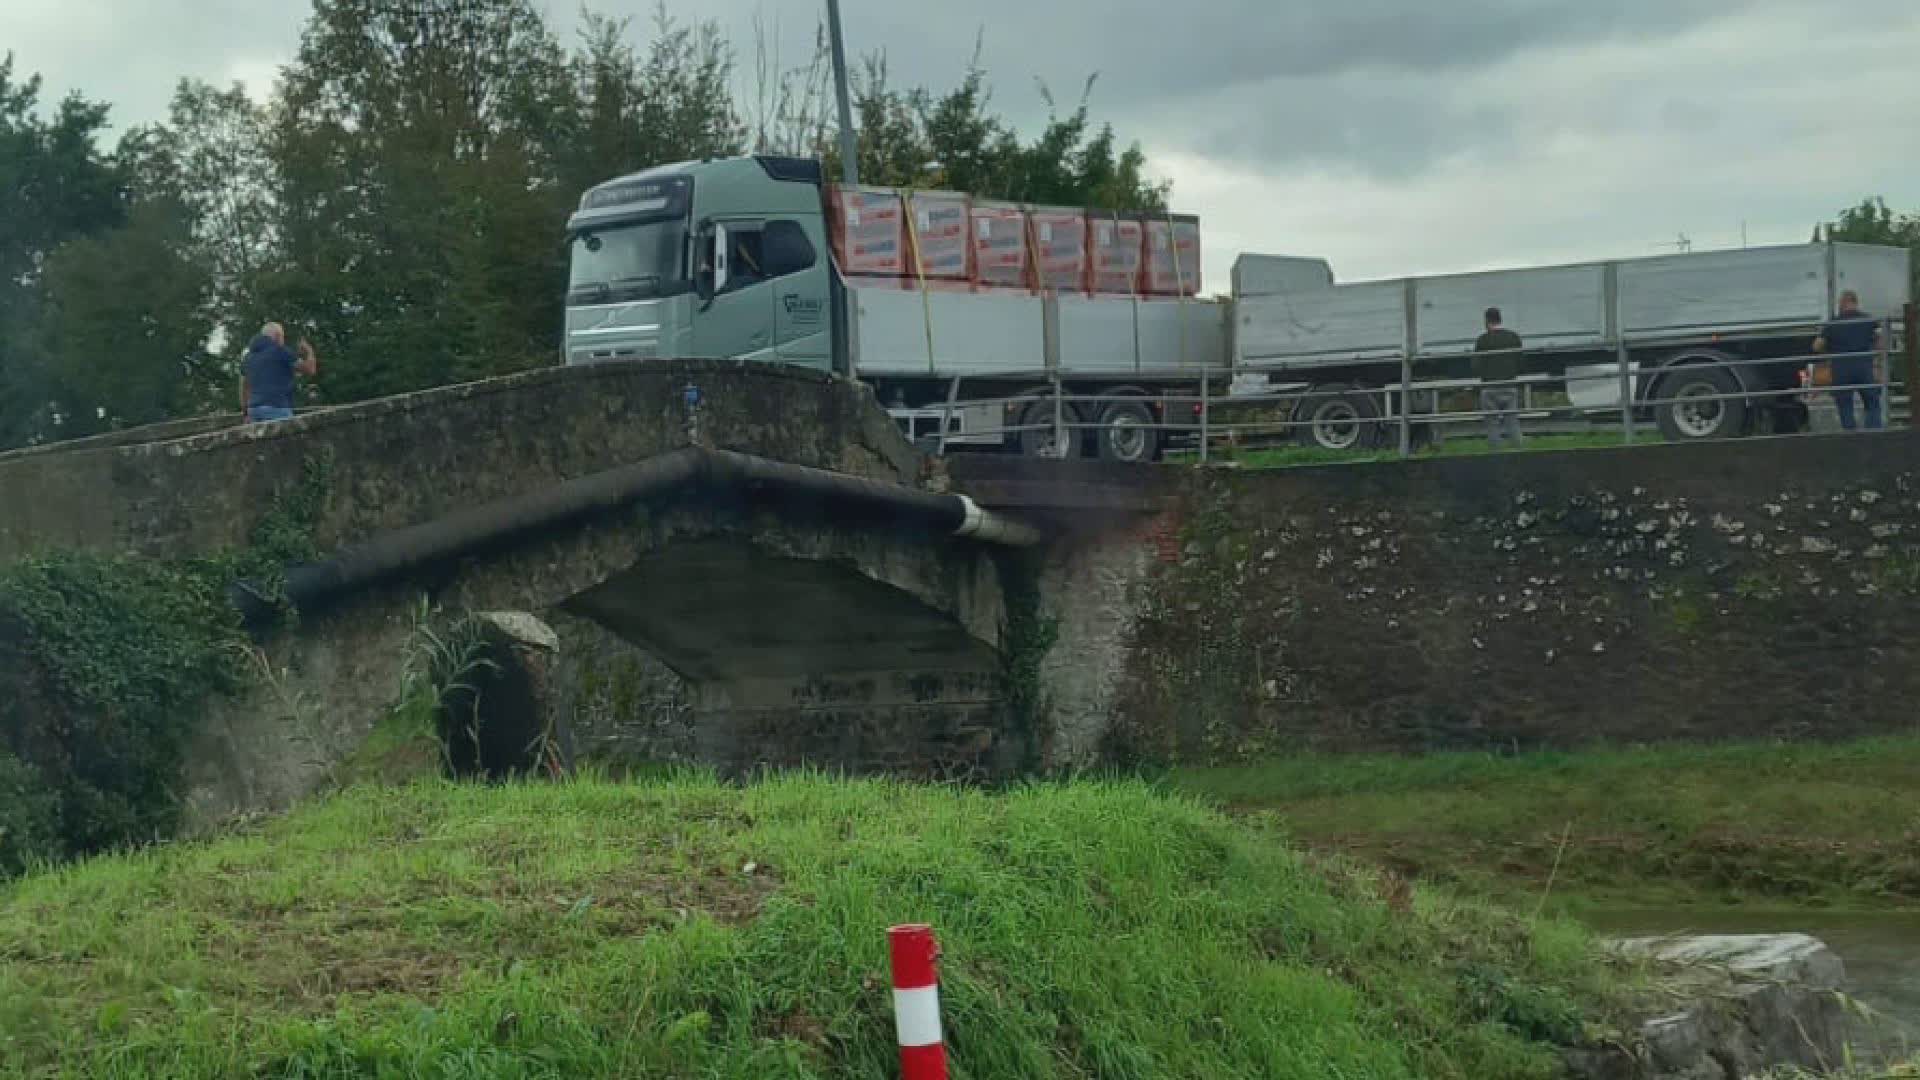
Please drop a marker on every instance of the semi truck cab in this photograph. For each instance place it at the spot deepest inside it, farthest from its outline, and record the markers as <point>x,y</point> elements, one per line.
<point>719,258</point>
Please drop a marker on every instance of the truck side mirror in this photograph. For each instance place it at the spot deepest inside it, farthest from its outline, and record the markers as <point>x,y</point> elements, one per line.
<point>701,250</point>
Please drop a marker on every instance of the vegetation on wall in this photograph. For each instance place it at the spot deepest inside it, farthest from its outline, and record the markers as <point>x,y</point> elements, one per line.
<point>1209,664</point>
<point>1026,637</point>
<point>113,658</point>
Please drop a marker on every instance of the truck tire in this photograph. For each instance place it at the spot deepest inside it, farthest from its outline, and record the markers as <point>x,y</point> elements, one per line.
<point>1683,419</point>
<point>1040,443</point>
<point>1127,433</point>
<point>1337,417</point>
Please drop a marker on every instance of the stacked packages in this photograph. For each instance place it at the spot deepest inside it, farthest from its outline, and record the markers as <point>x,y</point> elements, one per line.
<point>946,238</point>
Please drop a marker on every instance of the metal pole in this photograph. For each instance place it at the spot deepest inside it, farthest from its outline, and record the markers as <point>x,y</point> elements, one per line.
<point>1411,345</point>
<point>1406,406</point>
<point>849,158</point>
<point>1059,422</point>
<point>1913,367</point>
<point>1626,393</point>
<point>1617,329</point>
<point>1205,410</point>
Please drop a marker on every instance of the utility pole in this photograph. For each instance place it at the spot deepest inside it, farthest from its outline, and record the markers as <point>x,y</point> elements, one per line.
<point>849,159</point>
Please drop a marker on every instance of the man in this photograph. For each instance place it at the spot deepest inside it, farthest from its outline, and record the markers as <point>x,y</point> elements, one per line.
<point>266,382</point>
<point>1496,359</point>
<point>1853,337</point>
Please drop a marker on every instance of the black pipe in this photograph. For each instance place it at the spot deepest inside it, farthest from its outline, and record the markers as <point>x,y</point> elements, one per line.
<point>463,532</point>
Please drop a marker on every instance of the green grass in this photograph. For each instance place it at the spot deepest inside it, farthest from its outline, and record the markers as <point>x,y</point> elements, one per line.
<point>1456,446</point>
<point>684,928</point>
<point>1833,823</point>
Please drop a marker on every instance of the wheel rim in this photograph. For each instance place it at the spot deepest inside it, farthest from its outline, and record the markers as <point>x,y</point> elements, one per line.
<point>1127,437</point>
<point>1697,419</point>
<point>1046,445</point>
<point>1336,425</point>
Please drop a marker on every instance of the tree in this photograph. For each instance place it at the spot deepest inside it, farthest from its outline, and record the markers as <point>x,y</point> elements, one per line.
<point>124,326</point>
<point>628,113</point>
<point>59,186</point>
<point>1872,222</point>
<point>416,186</point>
<point>209,160</point>
<point>912,138</point>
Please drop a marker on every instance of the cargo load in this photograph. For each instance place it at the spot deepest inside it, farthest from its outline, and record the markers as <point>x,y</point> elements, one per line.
<point>999,244</point>
<point>1060,241</point>
<point>1115,244</point>
<point>1173,265</point>
<point>939,236</point>
<point>867,233</point>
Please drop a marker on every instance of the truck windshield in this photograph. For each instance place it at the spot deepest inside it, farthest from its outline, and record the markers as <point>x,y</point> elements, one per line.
<point>629,262</point>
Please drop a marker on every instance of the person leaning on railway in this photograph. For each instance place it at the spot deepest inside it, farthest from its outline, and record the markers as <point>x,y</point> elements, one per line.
<point>1853,339</point>
<point>1497,359</point>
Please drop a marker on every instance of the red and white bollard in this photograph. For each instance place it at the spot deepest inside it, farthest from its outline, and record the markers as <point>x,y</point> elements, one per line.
<point>916,1002</point>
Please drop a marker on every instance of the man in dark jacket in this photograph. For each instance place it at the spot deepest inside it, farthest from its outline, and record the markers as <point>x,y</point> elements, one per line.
<point>266,383</point>
<point>1853,338</point>
<point>1496,359</point>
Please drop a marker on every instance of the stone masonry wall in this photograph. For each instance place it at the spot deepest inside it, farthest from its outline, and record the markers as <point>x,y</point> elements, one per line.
<point>403,460</point>
<point>1761,588</point>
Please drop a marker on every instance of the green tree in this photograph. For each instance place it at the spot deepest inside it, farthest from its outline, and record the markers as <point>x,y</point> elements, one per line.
<point>417,195</point>
<point>955,140</point>
<point>124,325</point>
<point>59,186</point>
<point>628,112</point>
<point>209,160</point>
<point>1872,222</point>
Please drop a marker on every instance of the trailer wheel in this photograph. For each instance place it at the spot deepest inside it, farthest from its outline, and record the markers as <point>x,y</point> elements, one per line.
<point>1338,417</point>
<point>1127,433</point>
<point>1695,406</point>
<point>1041,443</point>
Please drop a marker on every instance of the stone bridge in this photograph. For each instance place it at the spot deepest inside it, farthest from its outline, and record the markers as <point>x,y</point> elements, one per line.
<point>747,566</point>
<point>813,587</point>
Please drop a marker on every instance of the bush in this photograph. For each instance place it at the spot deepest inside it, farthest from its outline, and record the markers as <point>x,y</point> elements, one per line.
<point>106,662</point>
<point>29,816</point>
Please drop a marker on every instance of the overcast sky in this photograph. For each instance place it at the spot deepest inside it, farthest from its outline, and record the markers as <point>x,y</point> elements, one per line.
<point>1390,136</point>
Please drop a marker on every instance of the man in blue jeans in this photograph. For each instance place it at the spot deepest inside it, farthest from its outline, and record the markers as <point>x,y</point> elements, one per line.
<point>1853,339</point>
<point>266,383</point>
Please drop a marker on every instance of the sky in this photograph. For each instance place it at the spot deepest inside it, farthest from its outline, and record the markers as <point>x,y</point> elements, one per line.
<point>1392,137</point>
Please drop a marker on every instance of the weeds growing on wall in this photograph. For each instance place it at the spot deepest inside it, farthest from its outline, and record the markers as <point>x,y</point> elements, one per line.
<point>1211,663</point>
<point>111,659</point>
<point>1026,637</point>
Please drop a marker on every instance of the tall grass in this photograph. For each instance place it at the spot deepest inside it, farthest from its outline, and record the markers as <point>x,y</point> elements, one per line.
<point>681,927</point>
<point>1825,822</point>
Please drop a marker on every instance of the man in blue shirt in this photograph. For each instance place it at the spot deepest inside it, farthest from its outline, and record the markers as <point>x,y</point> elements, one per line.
<point>1853,338</point>
<point>266,384</point>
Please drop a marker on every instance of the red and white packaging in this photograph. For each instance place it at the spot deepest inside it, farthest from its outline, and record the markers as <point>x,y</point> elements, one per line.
<point>940,234</point>
<point>915,960</point>
<point>1060,245</point>
<point>999,244</point>
<point>1115,244</point>
<point>867,233</point>
<point>1173,265</point>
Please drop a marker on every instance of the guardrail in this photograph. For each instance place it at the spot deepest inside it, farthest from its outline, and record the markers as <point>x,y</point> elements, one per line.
<point>1411,408</point>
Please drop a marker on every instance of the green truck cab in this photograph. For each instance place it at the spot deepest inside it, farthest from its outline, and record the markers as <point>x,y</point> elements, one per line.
<point>719,258</point>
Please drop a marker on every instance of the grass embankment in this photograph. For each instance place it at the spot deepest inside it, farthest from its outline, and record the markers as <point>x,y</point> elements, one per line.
<point>1835,824</point>
<point>685,928</point>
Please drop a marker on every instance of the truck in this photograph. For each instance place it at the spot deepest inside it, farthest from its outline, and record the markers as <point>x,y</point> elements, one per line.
<point>755,258</point>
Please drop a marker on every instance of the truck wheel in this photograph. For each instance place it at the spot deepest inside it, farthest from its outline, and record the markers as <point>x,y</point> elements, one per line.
<point>1040,442</point>
<point>1691,411</point>
<point>1127,433</point>
<point>1338,417</point>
